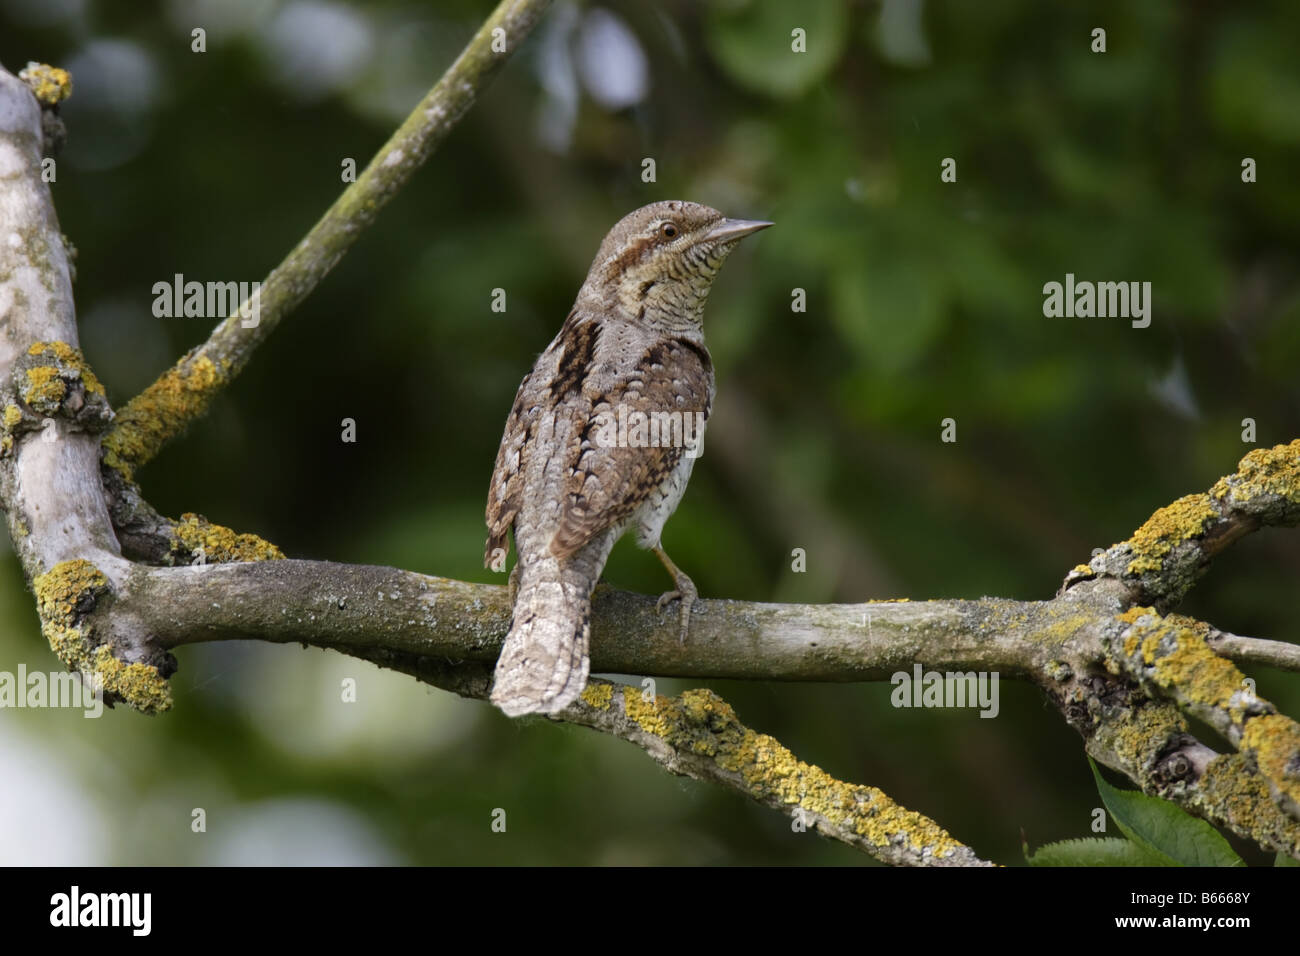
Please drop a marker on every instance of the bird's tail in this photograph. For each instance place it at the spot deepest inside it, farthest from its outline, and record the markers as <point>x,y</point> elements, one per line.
<point>543,665</point>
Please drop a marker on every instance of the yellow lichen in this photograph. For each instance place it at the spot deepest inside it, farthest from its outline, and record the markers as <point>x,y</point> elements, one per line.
<point>1171,525</point>
<point>1201,676</point>
<point>1135,733</point>
<point>49,84</point>
<point>178,397</point>
<point>647,714</point>
<point>1180,659</point>
<point>1133,635</point>
<point>220,544</point>
<point>62,594</point>
<point>599,696</point>
<point>702,723</point>
<point>1134,614</point>
<point>138,684</point>
<point>1265,471</point>
<point>45,388</point>
<point>1054,627</point>
<point>48,384</point>
<point>12,416</point>
<point>1230,783</point>
<point>1275,741</point>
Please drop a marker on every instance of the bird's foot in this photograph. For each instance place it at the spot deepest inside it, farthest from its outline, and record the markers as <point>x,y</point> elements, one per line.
<point>687,594</point>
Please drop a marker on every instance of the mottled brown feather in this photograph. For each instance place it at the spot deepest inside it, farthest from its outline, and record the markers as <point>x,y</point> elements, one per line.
<point>505,489</point>
<point>606,485</point>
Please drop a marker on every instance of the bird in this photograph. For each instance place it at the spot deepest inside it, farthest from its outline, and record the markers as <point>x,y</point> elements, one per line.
<point>601,439</point>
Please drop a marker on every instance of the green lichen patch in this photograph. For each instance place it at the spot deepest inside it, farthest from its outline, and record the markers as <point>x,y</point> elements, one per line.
<point>65,596</point>
<point>161,411</point>
<point>49,84</point>
<point>1171,525</point>
<point>702,723</point>
<point>195,535</point>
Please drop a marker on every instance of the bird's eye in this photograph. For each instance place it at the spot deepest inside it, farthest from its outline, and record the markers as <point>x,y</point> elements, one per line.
<point>668,230</point>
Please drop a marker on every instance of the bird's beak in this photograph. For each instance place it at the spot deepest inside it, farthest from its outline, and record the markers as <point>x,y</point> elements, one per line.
<point>731,229</point>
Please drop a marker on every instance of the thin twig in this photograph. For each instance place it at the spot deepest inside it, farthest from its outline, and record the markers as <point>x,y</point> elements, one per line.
<point>1255,650</point>
<point>183,393</point>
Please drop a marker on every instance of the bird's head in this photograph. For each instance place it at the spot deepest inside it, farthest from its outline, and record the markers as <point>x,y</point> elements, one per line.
<point>658,262</point>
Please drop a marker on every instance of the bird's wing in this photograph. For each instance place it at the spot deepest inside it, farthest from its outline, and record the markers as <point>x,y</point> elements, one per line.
<point>506,487</point>
<point>603,484</point>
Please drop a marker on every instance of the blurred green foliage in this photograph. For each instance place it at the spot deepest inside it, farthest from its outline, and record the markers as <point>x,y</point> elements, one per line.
<point>924,303</point>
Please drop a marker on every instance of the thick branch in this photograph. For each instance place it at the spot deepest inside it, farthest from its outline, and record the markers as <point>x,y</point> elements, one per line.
<point>184,392</point>
<point>336,605</point>
<point>424,625</point>
<point>53,410</point>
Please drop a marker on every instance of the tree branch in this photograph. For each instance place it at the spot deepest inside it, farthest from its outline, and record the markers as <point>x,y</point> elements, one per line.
<point>698,735</point>
<point>1165,557</point>
<point>1253,650</point>
<point>184,393</point>
<point>1116,669</point>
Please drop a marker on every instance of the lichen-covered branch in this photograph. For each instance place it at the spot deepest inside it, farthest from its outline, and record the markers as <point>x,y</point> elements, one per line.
<point>1118,666</point>
<point>1173,656</point>
<point>1164,557</point>
<point>53,413</point>
<point>184,392</point>
<point>328,604</point>
<point>419,624</point>
<point>698,735</point>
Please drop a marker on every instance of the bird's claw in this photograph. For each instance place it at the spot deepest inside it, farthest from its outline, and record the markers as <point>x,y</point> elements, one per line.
<point>686,593</point>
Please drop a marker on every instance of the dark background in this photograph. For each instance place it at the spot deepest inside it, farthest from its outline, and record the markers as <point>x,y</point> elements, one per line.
<point>924,302</point>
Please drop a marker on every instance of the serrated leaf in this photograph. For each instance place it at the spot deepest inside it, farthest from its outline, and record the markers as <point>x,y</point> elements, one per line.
<point>1165,829</point>
<point>1095,851</point>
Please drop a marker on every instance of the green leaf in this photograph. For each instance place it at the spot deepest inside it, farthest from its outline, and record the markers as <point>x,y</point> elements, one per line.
<point>1095,851</point>
<point>1283,860</point>
<point>1165,829</point>
<point>890,311</point>
<point>751,40</point>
